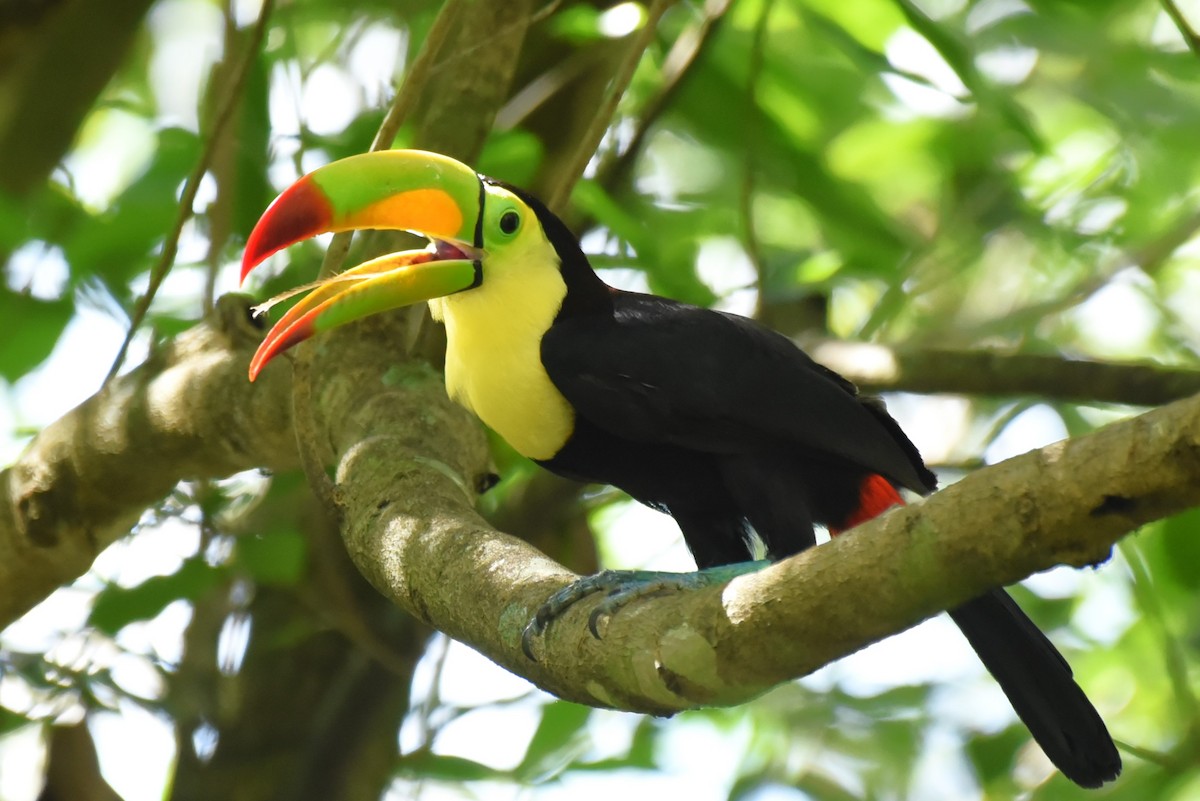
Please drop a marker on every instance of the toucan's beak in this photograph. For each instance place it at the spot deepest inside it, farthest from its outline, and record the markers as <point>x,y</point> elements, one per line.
<point>426,193</point>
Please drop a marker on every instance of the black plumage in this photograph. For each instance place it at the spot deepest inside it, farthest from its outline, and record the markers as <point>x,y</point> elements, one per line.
<point>730,428</point>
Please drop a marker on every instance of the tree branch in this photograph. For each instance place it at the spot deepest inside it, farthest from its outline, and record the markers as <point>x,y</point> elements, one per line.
<point>44,97</point>
<point>879,368</point>
<point>614,168</point>
<point>410,460</point>
<point>413,532</point>
<point>187,412</point>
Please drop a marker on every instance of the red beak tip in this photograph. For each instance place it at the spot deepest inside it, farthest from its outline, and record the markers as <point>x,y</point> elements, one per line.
<point>300,213</point>
<point>266,351</point>
<point>253,256</point>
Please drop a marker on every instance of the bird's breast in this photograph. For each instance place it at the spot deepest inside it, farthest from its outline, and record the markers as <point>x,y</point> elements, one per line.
<point>494,368</point>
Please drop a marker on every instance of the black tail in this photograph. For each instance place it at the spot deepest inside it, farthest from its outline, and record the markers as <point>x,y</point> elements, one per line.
<point>1038,683</point>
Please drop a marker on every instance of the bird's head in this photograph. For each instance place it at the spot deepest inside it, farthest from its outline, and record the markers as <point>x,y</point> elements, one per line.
<point>472,223</point>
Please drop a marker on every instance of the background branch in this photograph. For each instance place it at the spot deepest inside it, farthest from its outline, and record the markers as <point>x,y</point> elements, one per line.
<point>35,133</point>
<point>557,195</point>
<point>880,368</point>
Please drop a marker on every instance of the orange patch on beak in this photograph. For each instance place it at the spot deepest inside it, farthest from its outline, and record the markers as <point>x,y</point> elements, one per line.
<point>426,211</point>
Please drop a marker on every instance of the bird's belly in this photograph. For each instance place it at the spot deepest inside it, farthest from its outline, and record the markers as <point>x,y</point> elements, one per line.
<point>505,385</point>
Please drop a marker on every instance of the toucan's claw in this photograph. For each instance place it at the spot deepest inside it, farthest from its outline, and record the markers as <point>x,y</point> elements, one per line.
<point>622,587</point>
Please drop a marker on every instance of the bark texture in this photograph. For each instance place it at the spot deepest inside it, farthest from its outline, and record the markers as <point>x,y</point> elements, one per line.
<point>86,478</point>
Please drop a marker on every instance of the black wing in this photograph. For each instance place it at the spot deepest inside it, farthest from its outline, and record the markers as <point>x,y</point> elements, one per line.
<point>662,371</point>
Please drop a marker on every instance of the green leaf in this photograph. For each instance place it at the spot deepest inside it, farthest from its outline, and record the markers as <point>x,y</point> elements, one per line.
<point>53,214</point>
<point>252,190</point>
<point>994,756</point>
<point>512,156</point>
<point>116,245</point>
<point>166,326</point>
<point>962,60</point>
<point>591,198</point>
<point>14,224</point>
<point>577,24</point>
<point>31,329</point>
<point>354,138</point>
<point>818,784</point>
<point>116,607</point>
<point>640,754</point>
<point>1179,541</point>
<point>866,58</point>
<point>277,557</point>
<point>785,160</point>
<point>10,721</point>
<point>427,765</point>
<point>645,739</point>
<point>562,722</point>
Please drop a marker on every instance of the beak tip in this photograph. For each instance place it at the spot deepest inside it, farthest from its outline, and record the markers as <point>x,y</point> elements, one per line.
<point>248,264</point>
<point>300,213</point>
<point>256,365</point>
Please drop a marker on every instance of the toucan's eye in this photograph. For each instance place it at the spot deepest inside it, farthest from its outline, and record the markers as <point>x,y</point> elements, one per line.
<point>510,221</point>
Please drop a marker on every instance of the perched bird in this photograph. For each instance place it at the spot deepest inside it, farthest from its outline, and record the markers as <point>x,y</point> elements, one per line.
<point>710,417</point>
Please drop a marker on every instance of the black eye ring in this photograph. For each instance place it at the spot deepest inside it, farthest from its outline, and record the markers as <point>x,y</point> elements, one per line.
<point>509,222</point>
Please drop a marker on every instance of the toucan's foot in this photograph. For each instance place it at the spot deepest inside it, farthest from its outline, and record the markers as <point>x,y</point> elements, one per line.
<point>622,587</point>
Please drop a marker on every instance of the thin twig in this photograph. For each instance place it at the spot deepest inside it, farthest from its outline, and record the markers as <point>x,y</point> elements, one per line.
<point>543,12</point>
<point>753,121</point>
<point>682,56</point>
<point>417,76</point>
<point>1174,653</point>
<point>1149,258</point>
<point>1185,29</point>
<point>1154,757</point>
<point>401,105</point>
<point>557,197</point>
<point>171,244</point>
<point>500,32</point>
<point>219,212</point>
<point>439,649</point>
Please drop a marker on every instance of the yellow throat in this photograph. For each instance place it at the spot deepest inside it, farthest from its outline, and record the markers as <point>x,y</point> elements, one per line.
<point>493,354</point>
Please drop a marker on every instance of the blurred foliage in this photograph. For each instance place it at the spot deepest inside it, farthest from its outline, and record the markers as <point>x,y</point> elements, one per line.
<point>964,173</point>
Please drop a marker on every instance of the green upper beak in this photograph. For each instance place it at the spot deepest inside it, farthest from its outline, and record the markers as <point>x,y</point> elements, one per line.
<point>412,190</point>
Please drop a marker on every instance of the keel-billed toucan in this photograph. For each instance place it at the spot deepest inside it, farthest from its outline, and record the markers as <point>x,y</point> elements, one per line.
<point>710,417</point>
